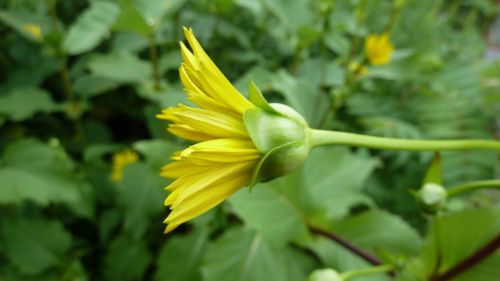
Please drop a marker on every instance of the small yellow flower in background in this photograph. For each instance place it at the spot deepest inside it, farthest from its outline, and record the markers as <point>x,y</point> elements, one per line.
<point>120,161</point>
<point>358,69</point>
<point>378,49</point>
<point>34,30</point>
<point>223,160</point>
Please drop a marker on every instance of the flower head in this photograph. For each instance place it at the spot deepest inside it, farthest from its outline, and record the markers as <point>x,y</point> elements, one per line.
<point>378,49</point>
<point>239,141</point>
<point>120,161</point>
<point>224,158</point>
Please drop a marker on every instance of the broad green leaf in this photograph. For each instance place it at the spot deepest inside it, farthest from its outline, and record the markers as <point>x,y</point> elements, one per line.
<point>126,259</point>
<point>87,86</point>
<point>141,196</point>
<point>91,27</point>
<point>34,171</point>
<point>241,254</point>
<point>121,67</point>
<point>153,11</point>
<point>180,257</point>
<point>456,236</point>
<point>132,20</point>
<point>157,152</point>
<point>365,231</point>
<point>335,179</point>
<point>269,210</point>
<point>23,103</point>
<point>35,245</point>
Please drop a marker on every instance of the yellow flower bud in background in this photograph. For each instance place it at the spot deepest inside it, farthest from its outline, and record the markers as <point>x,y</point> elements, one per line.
<point>34,30</point>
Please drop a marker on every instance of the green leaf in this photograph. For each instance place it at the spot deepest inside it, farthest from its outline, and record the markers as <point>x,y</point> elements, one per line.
<point>456,236</point>
<point>34,171</point>
<point>87,86</point>
<point>180,257</point>
<point>365,231</point>
<point>141,196</point>
<point>269,210</point>
<point>126,259</point>
<point>91,27</point>
<point>256,97</point>
<point>335,178</point>
<point>434,173</point>
<point>23,103</point>
<point>131,20</point>
<point>121,67</point>
<point>35,245</point>
<point>335,256</point>
<point>153,11</point>
<point>242,254</point>
<point>157,152</point>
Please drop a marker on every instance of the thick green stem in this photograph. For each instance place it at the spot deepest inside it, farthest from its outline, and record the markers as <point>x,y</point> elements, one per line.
<point>474,185</point>
<point>320,137</point>
<point>367,271</point>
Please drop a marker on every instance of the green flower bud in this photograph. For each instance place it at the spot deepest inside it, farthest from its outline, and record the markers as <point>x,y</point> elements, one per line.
<point>326,274</point>
<point>278,132</point>
<point>432,197</point>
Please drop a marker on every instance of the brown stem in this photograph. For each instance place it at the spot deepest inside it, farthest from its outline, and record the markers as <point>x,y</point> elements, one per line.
<point>348,245</point>
<point>470,261</point>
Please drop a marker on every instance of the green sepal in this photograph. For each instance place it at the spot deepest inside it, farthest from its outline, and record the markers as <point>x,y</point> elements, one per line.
<point>277,162</point>
<point>257,98</point>
<point>434,173</point>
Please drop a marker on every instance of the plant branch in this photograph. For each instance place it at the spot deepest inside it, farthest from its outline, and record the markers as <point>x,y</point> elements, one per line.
<point>348,245</point>
<point>470,261</point>
<point>474,185</point>
<point>321,137</point>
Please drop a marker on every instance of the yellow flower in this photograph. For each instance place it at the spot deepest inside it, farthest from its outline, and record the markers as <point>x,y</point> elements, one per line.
<point>120,161</point>
<point>223,160</point>
<point>378,49</point>
<point>34,30</point>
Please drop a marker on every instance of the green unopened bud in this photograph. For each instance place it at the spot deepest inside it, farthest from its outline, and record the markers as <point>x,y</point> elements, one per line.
<point>278,132</point>
<point>432,197</point>
<point>326,274</point>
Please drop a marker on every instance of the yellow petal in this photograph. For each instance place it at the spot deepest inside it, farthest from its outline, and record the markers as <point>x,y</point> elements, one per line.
<point>206,199</point>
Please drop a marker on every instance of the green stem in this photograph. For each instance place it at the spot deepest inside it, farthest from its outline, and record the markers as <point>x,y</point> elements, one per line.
<point>474,185</point>
<point>321,137</point>
<point>153,53</point>
<point>367,271</point>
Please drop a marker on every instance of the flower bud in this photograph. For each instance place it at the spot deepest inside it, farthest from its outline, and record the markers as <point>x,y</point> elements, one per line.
<point>432,197</point>
<point>281,134</point>
<point>326,274</point>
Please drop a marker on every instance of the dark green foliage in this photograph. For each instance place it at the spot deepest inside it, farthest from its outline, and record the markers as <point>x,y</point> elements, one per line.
<point>82,80</point>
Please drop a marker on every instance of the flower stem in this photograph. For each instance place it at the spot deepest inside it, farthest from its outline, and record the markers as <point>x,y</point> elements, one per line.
<point>321,137</point>
<point>153,53</point>
<point>367,271</point>
<point>474,185</point>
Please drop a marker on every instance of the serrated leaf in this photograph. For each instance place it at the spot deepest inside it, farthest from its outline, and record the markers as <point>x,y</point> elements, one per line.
<point>23,103</point>
<point>126,259</point>
<point>335,179</point>
<point>121,67</point>
<point>180,257</point>
<point>365,230</point>
<point>270,211</point>
<point>242,254</point>
<point>35,245</point>
<point>34,171</point>
<point>455,236</point>
<point>141,196</point>
<point>91,27</point>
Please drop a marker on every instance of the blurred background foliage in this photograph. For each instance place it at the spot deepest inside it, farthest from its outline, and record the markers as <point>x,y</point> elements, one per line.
<point>81,82</point>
